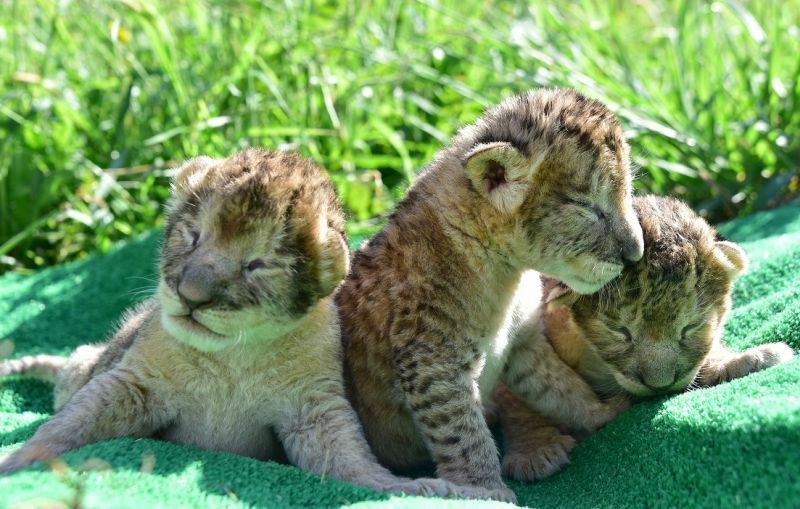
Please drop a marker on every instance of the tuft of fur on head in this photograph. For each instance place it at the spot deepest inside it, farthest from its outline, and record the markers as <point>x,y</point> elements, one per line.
<point>558,164</point>
<point>655,324</point>
<point>252,243</point>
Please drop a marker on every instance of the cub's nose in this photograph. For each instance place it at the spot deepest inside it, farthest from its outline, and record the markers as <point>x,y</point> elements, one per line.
<point>196,286</point>
<point>633,243</point>
<point>626,233</point>
<point>633,252</point>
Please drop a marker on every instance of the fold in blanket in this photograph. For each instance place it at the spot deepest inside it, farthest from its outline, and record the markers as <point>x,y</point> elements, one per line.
<point>733,445</point>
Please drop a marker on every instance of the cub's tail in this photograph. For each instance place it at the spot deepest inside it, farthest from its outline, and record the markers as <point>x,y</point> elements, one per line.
<point>42,367</point>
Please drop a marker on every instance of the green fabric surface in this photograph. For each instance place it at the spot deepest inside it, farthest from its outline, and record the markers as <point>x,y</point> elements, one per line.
<point>733,445</point>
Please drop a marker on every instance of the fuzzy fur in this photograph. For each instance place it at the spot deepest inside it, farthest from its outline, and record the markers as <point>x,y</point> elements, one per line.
<point>240,350</point>
<point>435,301</point>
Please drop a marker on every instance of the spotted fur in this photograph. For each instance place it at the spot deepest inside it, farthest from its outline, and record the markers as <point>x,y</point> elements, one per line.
<point>240,350</point>
<point>434,301</point>
<point>655,329</point>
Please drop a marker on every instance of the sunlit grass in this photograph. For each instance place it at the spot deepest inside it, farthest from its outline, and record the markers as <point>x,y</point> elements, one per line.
<point>99,99</point>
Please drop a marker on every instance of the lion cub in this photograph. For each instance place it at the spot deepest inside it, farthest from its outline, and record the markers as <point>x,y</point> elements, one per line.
<point>655,329</point>
<point>435,301</point>
<point>241,342</point>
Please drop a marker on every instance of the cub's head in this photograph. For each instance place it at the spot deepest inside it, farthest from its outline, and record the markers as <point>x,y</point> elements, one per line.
<point>654,325</point>
<point>252,243</point>
<point>559,164</point>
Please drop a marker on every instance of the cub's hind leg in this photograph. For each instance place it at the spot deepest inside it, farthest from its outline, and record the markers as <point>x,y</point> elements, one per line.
<point>723,365</point>
<point>113,404</point>
<point>76,373</point>
<point>67,374</point>
<point>533,448</point>
<point>89,361</point>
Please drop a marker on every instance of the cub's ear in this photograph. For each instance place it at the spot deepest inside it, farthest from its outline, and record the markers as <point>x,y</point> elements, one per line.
<point>335,261</point>
<point>323,253</point>
<point>326,248</point>
<point>189,175</point>
<point>733,258</point>
<point>501,173</point>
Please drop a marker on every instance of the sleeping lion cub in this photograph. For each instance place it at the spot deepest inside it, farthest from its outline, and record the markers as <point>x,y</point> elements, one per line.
<point>655,329</point>
<point>240,348</point>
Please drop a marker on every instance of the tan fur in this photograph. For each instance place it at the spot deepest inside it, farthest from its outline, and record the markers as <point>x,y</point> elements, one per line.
<point>656,329</point>
<point>435,301</point>
<point>240,351</point>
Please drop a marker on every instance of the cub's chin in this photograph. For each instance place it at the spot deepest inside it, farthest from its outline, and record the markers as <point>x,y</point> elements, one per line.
<point>187,330</point>
<point>632,387</point>
<point>582,286</point>
<point>587,284</point>
<point>211,329</point>
<point>585,274</point>
<point>241,328</point>
<point>638,389</point>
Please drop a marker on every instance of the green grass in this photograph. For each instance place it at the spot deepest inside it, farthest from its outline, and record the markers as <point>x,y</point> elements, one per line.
<point>99,99</point>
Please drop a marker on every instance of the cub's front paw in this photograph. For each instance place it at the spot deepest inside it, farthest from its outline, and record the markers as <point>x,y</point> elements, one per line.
<point>500,493</point>
<point>617,404</point>
<point>543,461</point>
<point>773,354</point>
<point>607,411</point>
<point>757,358</point>
<point>426,487</point>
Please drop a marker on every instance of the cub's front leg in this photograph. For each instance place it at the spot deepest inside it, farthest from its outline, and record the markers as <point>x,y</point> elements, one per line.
<point>324,436</point>
<point>536,373</point>
<point>723,365</point>
<point>114,404</point>
<point>442,394</point>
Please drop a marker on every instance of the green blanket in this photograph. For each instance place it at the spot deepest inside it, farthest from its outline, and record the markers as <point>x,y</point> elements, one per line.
<point>734,445</point>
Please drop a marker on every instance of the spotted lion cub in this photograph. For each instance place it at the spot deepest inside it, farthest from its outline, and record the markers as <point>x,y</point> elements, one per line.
<point>241,342</point>
<point>655,329</point>
<point>435,301</point>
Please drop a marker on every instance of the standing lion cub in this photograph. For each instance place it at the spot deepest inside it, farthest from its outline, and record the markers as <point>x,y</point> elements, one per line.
<point>435,302</point>
<point>240,344</point>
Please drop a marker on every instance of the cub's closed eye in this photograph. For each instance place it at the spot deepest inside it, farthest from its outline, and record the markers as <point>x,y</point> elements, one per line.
<point>195,237</point>
<point>599,213</point>
<point>577,203</point>
<point>625,332</point>
<point>594,209</point>
<point>256,264</point>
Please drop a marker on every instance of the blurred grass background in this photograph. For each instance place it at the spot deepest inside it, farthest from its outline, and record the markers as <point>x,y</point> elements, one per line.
<point>98,99</point>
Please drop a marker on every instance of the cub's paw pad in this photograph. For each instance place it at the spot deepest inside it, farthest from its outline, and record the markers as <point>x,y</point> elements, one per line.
<point>540,463</point>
